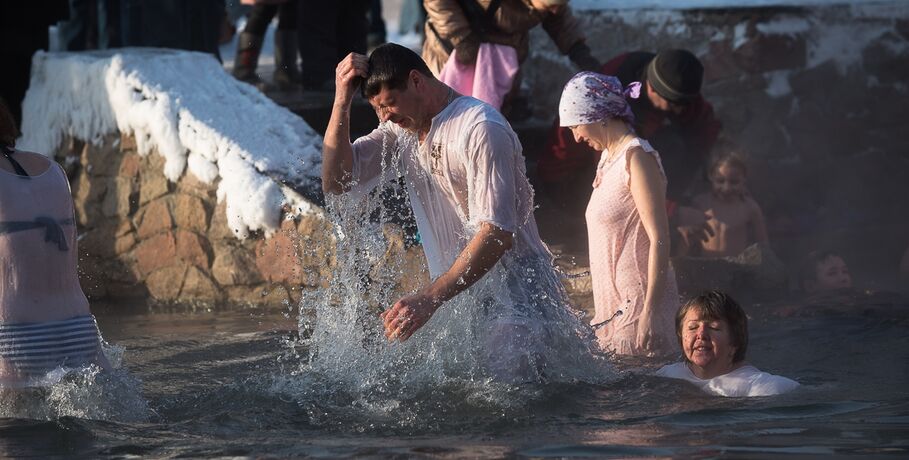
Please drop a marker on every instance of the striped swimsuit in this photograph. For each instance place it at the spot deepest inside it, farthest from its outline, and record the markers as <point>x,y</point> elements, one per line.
<point>34,349</point>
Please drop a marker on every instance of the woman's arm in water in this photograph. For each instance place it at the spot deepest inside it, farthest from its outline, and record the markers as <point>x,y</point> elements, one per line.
<point>649,193</point>
<point>337,153</point>
<point>482,253</point>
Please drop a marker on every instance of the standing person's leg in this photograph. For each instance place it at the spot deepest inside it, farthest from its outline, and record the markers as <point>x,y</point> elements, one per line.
<point>287,73</point>
<point>130,22</point>
<point>74,31</point>
<point>249,44</point>
<point>203,22</point>
<point>109,31</point>
<point>353,28</point>
<point>377,33</point>
<point>317,34</point>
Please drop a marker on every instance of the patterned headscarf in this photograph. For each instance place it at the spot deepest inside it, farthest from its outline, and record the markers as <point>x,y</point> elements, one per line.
<point>590,97</point>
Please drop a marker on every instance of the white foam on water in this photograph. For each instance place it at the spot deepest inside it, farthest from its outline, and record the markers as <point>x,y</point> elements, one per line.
<point>86,392</point>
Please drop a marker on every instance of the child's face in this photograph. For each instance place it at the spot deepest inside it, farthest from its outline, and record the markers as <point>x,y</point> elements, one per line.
<point>728,181</point>
<point>831,274</point>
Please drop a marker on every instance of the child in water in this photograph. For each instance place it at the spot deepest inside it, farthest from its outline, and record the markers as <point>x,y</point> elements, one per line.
<point>824,272</point>
<point>735,217</point>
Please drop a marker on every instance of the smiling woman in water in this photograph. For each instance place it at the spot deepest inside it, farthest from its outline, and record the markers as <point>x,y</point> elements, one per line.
<point>713,333</point>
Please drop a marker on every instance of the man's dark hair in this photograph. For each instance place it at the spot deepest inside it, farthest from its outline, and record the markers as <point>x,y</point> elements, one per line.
<point>717,305</point>
<point>389,67</point>
<point>8,129</point>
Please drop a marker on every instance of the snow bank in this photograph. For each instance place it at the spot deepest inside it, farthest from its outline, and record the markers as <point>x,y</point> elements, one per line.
<point>186,107</point>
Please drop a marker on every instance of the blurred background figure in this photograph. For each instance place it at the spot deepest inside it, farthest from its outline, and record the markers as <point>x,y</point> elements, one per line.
<point>377,33</point>
<point>193,25</point>
<point>24,30</point>
<point>735,217</point>
<point>287,72</point>
<point>824,272</point>
<point>464,25</point>
<point>411,18</point>
<point>327,32</point>
<point>92,24</point>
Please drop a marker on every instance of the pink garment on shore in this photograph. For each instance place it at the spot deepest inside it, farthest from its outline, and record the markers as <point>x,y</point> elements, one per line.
<point>619,253</point>
<point>489,79</point>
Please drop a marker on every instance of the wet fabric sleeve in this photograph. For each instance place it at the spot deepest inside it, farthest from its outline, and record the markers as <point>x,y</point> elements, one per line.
<point>491,176</point>
<point>366,171</point>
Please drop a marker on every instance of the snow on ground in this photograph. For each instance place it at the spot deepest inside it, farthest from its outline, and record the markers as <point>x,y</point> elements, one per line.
<point>193,113</point>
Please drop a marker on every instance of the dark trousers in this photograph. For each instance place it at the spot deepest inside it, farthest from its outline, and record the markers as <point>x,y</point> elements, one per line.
<point>193,25</point>
<point>328,31</point>
<point>262,14</point>
<point>92,24</point>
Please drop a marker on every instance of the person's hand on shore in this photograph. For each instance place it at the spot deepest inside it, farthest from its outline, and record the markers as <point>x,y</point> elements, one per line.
<point>349,74</point>
<point>408,315</point>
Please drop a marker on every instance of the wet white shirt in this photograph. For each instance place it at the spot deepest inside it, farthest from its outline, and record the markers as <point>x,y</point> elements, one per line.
<point>468,170</point>
<point>744,381</point>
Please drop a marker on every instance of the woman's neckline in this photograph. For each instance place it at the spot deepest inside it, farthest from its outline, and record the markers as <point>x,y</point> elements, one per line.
<point>622,147</point>
<point>42,173</point>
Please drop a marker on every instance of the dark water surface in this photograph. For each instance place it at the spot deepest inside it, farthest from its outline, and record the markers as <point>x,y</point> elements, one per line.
<point>223,383</point>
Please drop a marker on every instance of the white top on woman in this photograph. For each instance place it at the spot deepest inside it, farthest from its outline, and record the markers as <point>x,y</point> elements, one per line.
<point>744,381</point>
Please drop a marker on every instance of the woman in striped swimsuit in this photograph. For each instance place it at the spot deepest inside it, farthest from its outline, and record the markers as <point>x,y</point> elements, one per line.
<point>45,322</point>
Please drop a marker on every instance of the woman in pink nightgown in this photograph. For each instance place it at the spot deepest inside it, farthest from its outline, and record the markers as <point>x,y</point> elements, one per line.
<point>634,289</point>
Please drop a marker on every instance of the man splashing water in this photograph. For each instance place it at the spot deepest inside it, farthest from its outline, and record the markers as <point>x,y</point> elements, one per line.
<point>474,210</point>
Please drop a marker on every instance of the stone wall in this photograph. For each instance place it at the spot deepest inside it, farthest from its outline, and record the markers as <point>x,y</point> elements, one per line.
<point>141,235</point>
<point>815,96</point>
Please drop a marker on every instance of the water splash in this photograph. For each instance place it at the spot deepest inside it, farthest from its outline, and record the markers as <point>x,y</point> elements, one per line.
<point>87,392</point>
<point>454,366</point>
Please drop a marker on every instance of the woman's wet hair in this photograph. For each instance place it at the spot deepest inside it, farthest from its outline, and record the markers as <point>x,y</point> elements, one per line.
<point>716,305</point>
<point>390,66</point>
<point>9,132</point>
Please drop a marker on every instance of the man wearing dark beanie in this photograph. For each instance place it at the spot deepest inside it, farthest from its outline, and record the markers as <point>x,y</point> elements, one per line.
<point>674,79</point>
<point>673,116</point>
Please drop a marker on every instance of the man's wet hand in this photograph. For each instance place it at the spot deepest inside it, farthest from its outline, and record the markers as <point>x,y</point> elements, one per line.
<point>349,74</point>
<point>408,315</point>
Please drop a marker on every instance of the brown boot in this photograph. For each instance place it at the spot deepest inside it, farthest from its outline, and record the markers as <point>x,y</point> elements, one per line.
<point>248,48</point>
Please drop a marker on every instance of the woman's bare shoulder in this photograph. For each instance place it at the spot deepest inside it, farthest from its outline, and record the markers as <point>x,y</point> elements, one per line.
<point>34,163</point>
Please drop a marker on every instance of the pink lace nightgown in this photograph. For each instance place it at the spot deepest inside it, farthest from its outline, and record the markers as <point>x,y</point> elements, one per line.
<point>619,250</point>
